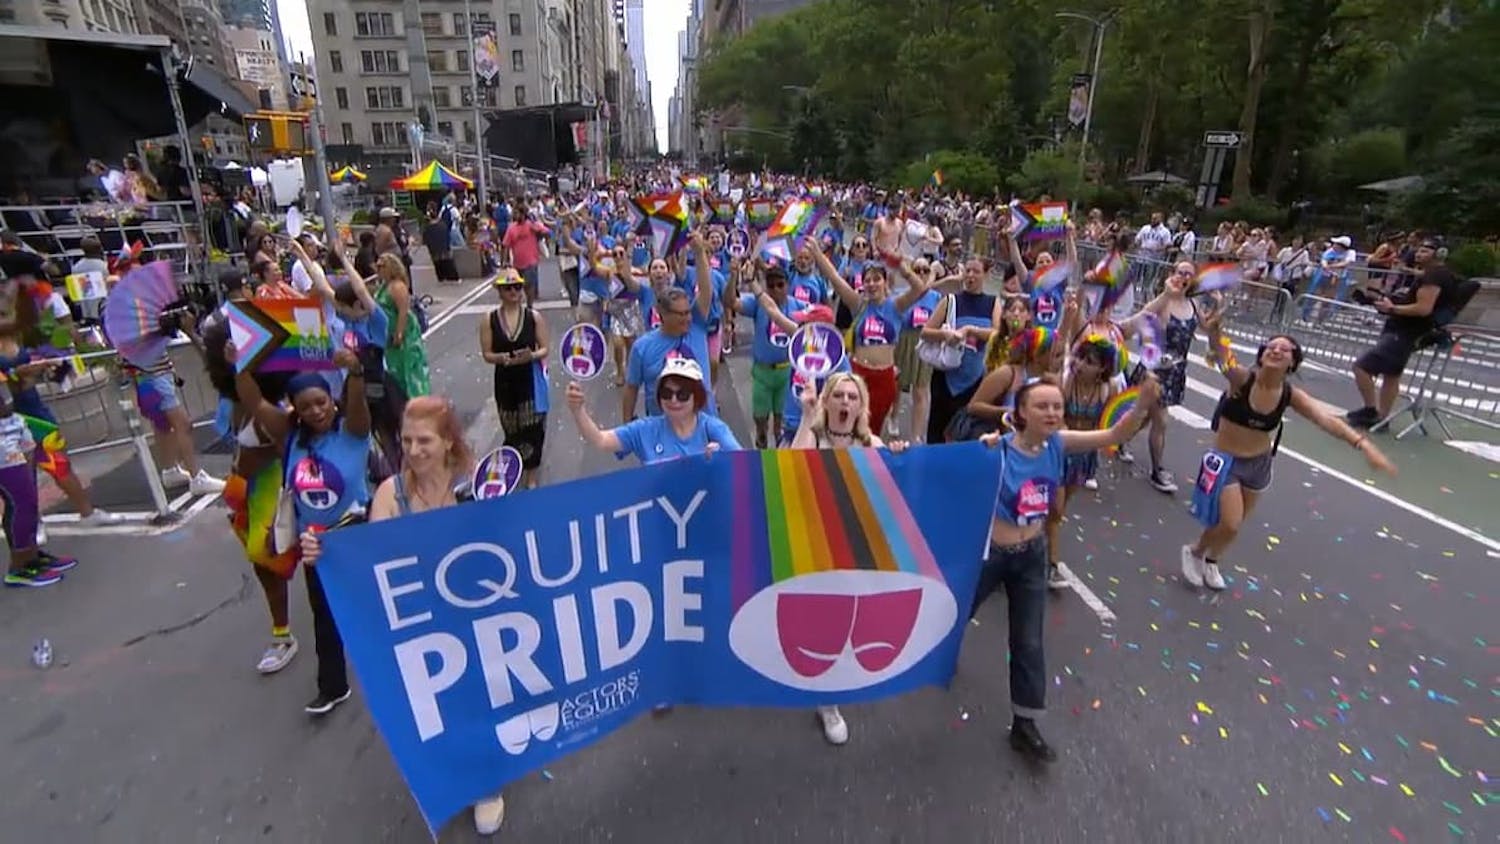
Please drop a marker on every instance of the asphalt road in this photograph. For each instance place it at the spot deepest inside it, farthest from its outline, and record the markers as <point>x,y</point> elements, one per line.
<point>1344,688</point>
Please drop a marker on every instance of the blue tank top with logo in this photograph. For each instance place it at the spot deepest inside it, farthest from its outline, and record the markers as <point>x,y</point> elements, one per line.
<point>878,324</point>
<point>327,475</point>
<point>1028,482</point>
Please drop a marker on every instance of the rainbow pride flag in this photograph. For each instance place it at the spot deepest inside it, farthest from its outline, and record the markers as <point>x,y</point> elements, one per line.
<point>937,178</point>
<point>813,511</point>
<point>1217,277</point>
<point>280,335</point>
<point>798,219</point>
<point>762,212</point>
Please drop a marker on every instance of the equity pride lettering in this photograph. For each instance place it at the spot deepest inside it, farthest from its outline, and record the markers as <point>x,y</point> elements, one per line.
<point>493,637</point>
<point>506,644</point>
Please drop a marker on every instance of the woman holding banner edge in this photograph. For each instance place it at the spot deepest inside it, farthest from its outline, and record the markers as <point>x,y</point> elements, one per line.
<point>435,473</point>
<point>839,418</point>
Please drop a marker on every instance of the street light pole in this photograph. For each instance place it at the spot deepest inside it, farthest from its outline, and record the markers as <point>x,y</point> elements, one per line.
<point>482,181</point>
<point>1088,114</point>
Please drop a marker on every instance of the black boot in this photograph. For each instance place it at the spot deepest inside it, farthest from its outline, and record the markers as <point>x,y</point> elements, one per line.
<point>1027,740</point>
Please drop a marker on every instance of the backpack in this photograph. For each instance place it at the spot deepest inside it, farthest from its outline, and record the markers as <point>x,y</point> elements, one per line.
<point>1461,293</point>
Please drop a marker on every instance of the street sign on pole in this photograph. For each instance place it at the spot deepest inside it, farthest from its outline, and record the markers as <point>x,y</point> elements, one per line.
<point>1222,139</point>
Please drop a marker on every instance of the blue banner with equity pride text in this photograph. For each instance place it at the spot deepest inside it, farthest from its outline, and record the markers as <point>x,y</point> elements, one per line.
<point>496,636</point>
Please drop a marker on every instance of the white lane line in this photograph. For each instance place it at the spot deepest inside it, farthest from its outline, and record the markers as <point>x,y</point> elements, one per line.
<point>1489,451</point>
<point>453,310</point>
<point>1099,608</point>
<point>1188,417</point>
<point>1203,389</point>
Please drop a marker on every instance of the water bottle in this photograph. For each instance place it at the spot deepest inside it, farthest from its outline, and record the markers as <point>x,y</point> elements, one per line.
<point>41,654</point>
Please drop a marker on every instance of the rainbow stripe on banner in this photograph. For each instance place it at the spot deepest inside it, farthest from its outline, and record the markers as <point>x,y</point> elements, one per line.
<point>812,511</point>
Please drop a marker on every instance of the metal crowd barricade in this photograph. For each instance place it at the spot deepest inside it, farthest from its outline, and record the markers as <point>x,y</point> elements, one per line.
<point>1336,332</point>
<point>1459,378</point>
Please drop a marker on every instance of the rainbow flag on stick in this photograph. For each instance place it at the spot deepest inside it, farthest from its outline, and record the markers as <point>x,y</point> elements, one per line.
<point>762,213</point>
<point>1110,274</point>
<point>798,219</point>
<point>937,178</point>
<point>1039,220</point>
<point>1217,277</point>
<point>665,219</point>
<point>280,335</point>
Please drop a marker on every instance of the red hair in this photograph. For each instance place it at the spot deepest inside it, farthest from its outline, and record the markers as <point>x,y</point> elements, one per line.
<point>439,411</point>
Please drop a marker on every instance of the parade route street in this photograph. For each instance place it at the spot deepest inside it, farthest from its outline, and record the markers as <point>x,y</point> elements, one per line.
<point>1343,688</point>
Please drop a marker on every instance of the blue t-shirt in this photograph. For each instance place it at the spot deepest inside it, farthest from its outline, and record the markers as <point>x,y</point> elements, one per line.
<point>1047,308</point>
<point>640,255</point>
<point>372,330</point>
<point>1028,483</point>
<point>792,413</point>
<point>771,340</point>
<point>649,355</point>
<point>328,476</point>
<point>689,283</point>
<point>920,311</point>
<point>877,324</point>
<point>652,440</point>
<point>808,288</point>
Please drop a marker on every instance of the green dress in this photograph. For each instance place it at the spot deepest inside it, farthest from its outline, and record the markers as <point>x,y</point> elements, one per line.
<point>406,363</point>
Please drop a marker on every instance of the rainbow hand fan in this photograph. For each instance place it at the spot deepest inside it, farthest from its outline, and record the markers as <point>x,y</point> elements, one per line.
<point>1116,408</point>
<point>133,310</point>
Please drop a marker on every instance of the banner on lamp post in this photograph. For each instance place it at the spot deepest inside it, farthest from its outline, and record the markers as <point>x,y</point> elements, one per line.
<point>1078,99</point>
<point>486,53</point>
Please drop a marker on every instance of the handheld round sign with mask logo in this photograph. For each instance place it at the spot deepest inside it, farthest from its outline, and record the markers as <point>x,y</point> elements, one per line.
<point>816,350</point>
<point>497,473</point>
<point>582,351</point>
<point>739,242</point>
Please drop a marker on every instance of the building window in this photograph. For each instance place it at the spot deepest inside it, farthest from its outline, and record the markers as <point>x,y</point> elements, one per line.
<point>380,61</point>
<point>468,132</point>
<point>520,96</point>
<point>445,128</point>
<point>348,131</point>
<point>341,96</point>
<point>387,134</point>
<point>335,61</point>
<point>466,95</point>
<point>438,62</point>
<point>432,23</point>
<point>375,23</point>
<point>460,24</point>
<point>518,61</point>
<point>442,97</point>
<point>385,96</point>
<point>515,24</point>
<point>330,24</point>
<point>483,19</point>
<point>462,59</point>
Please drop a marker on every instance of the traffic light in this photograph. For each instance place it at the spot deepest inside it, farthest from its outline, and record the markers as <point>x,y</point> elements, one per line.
<point>277,132</point>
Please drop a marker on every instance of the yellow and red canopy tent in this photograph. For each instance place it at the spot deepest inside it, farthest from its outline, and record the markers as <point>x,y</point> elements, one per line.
<point>347,175</point>
<point>433,177</point>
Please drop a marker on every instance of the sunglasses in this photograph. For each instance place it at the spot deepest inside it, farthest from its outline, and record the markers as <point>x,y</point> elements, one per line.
<point>674,394</point>
<point>860,244</point>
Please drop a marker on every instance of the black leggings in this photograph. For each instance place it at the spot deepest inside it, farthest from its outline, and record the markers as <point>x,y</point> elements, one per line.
<point>944,405</point>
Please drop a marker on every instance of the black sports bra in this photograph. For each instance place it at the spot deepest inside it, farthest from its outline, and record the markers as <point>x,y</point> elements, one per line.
<point>1235,406</point>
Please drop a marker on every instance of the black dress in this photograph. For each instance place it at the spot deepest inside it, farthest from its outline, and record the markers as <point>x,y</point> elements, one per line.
<point>515,390</point>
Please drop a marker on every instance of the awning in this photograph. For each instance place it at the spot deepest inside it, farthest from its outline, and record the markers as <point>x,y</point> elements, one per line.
<point>208,91</point>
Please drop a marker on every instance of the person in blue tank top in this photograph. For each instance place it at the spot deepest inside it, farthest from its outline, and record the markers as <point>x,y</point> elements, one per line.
<point>875,328</point>
<point>976,315</point>
<point>1031,470</point>
<point>326,443</point>
<point>682,332</point>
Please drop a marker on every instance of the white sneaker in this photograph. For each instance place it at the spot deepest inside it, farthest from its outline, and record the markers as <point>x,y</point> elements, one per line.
<point>1125,455</point>
<point>1211,577</point>
<point>1055,579</point>
<point>1192,566</point>
<point>277,656</point>
<point>175,476</point>
<point>1162,480</point>
<point>489,814</point>
<point>1091,484</point>
<point>101,516</point>
<point>835,728</point>
<point>205,484</point>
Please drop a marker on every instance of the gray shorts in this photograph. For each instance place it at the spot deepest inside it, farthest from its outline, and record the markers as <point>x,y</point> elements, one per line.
<point>1253,474</point>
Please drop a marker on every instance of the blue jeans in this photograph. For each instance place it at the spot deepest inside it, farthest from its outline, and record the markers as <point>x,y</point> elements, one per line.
<point>1022,571</point>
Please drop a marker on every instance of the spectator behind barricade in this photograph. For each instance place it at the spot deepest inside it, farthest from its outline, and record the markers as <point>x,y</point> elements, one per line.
<point>1184,242</point>
<point>1333,267</point>
<point>390,237</point>
<point>364,258</point>
<point>1222,247</point>
<point>1432,300</point>
<point>1253,254</point>
<point>1153,239</point>
<point>1380,277</point>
